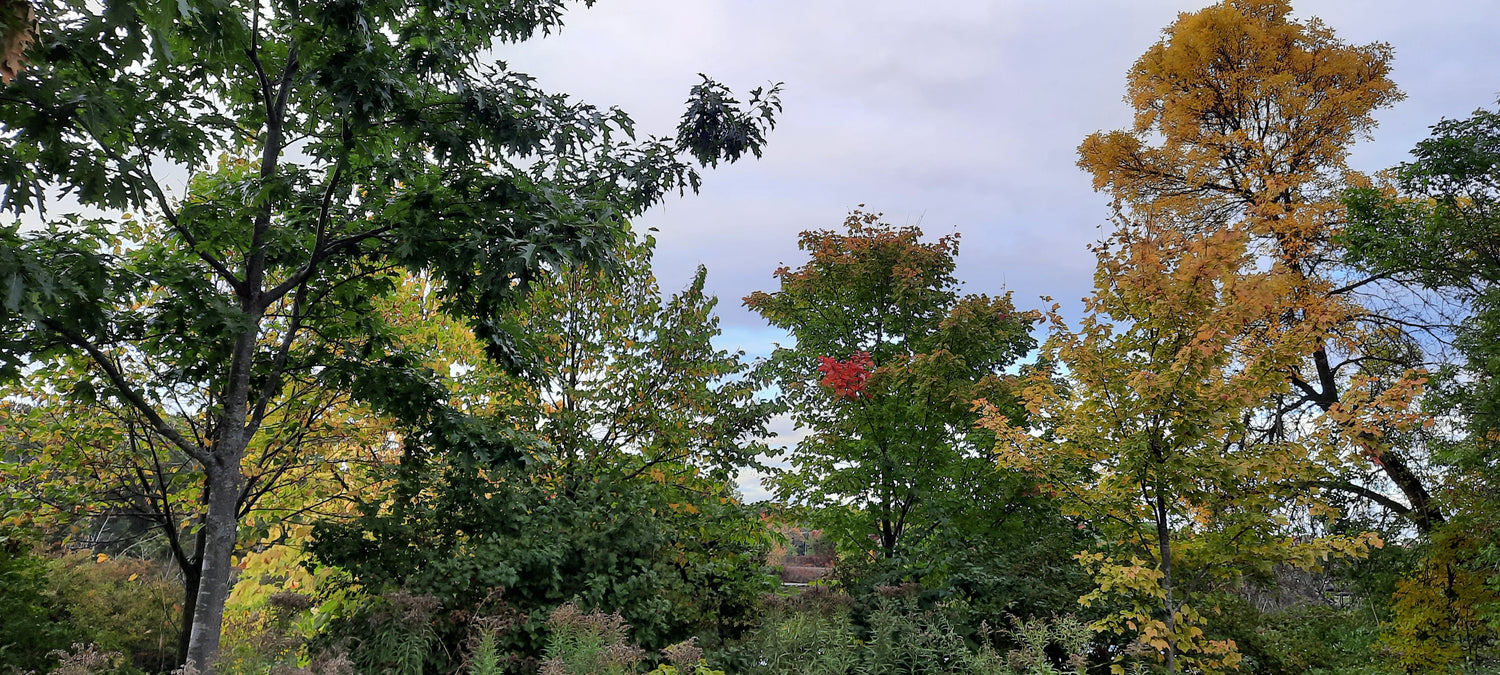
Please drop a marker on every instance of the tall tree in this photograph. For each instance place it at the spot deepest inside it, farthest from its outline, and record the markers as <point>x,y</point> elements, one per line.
<point>1142,426</point>
<point>1243,120</point>
<point>888,361</point>
<point>327,144</point>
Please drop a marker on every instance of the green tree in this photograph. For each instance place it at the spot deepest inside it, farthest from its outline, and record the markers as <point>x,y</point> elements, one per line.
<point>887,363</point>
<point>1433,225</point>
<point>1436,225</point>
<point>632,381</point>
<point>635,426</point>
<point>327,145</point>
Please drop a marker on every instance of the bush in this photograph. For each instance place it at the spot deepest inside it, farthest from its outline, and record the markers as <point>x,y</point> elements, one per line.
<point>813,634</point>
<point>614,545</point>
<point>35,622</point>
<point>592,643</point>
<point>124,605</point>
<point>404,633</point>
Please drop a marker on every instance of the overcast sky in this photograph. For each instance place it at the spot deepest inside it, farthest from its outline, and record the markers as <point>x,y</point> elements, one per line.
<point>958,116</point>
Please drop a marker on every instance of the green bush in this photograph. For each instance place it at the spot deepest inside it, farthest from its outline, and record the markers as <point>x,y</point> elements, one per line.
<point>124,605</point>
<point>35,622</point>
<point>813,634</point>
<point>84,613</point>
<point>1316,639</point>
<point>592,643</point>
<point>616,545</point>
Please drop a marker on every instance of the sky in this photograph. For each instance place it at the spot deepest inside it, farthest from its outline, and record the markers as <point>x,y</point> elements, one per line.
<point>958,116</point>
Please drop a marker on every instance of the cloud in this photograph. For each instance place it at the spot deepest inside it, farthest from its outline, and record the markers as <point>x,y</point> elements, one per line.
<point>959,116</point>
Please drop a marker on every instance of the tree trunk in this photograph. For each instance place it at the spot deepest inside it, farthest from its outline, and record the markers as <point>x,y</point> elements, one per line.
<point>217,561</point>
<point>191,565</point>
<point>225,483</point>
<point>1424,511</point>
<point>192,573</point>
<point>1164,548</point>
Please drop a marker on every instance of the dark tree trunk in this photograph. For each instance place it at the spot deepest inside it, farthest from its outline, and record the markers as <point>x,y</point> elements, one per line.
<point>1164,548</point>
<point>1424,511</point>
<point>191,575</point>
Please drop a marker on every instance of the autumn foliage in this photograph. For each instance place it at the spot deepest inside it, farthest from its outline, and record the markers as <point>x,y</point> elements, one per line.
<point>846,378</point>
<point>920,355</point>
<point>392,379</point>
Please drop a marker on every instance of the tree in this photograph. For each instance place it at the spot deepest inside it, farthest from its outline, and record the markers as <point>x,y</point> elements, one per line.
<point>1243,122</point>
<point>328,145</point>
<point>1142,426</point>
<point>633,381</point>
<point>1432,225</point>
<point>89,472</point>
<point>1436,226</point>
<point>635,426</point>
<point>887,363</point>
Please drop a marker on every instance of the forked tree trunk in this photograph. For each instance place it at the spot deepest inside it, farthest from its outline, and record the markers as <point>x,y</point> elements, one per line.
<point>191,565</point>
<point>225,483</point>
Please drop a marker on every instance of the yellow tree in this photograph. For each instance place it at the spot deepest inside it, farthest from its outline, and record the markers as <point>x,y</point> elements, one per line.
<point>1149,437</point>
<point>1243,121</point>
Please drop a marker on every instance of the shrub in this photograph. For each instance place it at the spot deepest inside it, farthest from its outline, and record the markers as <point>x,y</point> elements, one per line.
<point>124,605</point>
<point>87,660</point>
<point>813,634</point>
<point>592,643</point>
<point>35,623</point>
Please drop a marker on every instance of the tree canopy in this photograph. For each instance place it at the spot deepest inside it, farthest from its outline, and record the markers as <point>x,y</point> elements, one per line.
<point>1244,119</point>
<point>887,363</point>
<point>326,145</point>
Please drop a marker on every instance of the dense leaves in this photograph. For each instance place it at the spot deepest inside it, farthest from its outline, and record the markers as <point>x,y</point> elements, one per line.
<point>888,366</point>
<point>887,363</point>
<point>633,427</point>
<point>1244,118</point>
<point>1434,226</point>
<point>327,145</point>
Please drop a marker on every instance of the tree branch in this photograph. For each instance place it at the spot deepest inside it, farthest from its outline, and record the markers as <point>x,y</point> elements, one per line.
<point>131,396</point>
<point>1367,493</point>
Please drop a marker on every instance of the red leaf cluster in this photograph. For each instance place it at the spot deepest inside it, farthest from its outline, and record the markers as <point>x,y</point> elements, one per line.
<point>846,378</point>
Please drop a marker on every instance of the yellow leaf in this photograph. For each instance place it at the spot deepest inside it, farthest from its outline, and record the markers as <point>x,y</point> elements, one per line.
<point>133,577</point>
<point>100,558</point>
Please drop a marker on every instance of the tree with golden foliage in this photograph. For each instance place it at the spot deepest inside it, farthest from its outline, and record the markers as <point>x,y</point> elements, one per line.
<point>1244,117</point>
<point>1142,427</point>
